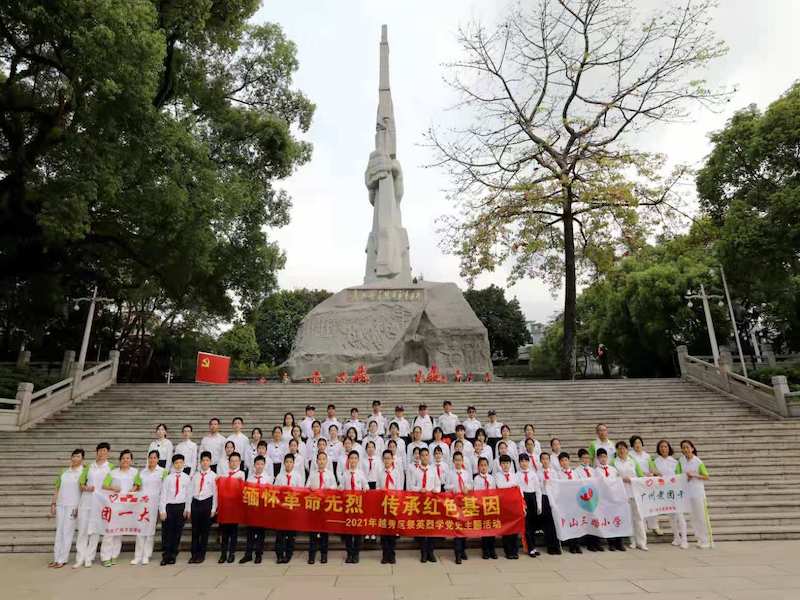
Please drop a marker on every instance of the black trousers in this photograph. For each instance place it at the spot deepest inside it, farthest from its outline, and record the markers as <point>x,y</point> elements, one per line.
<point>352,544</point>
<point>276,468</point>
<point>487,545</point>
<point>255,541</point>
<point>284,544</point>
<point>388,545</point>
<point>531,520</point>
<point>459,546</point>
<point>510,545</point>
<point>317,541</point>
<point>230,538</point>
<point>548,526</point>
<point>214,468</point>
<point>426,545</point>
<point>493,444</point>
<point>201,526</point>
<point>171,530</point>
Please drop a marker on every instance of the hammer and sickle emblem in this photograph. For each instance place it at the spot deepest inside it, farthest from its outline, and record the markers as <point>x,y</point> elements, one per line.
<point>205,363</point>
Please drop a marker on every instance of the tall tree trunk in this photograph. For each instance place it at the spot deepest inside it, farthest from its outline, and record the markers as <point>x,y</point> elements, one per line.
<point>570,295</point>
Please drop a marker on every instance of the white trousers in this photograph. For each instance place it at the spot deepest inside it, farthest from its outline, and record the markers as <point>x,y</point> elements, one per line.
<point>65,532</point>
<point>144,547</point>
<point>86,544</point>
<point>639,532</point>
<point>111,547</point>
<point>678,527</point>
<point>651,522</point>
<point>699,517</point>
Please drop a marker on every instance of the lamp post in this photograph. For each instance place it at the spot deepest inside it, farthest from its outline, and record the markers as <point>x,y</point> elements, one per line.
<point>733,319</point>
<point>87,330</point>
<point>712,336</point>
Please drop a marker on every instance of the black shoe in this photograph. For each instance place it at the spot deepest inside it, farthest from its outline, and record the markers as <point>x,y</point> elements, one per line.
<point>222,558</point>
<point>599,549</point>
<point>612,548</point>
<point>311,559</point>
<point>515,556</point>
<point>257,561</point>
<point>192,560</point>
<point>164,562</point>
<point>323,558</point>
<point>231,557</point>
<point>458,559</point>
<point>199,559</point>
<point>432,557</point>
<point>554,551</point>
<point>171,561</point>
<point>423,558</point>
<point>384,560</point>
<point>392,561</point>
<point>464,556</point>
<point>348,560</point>
<point>356,559</point>
<point>493,555</point>
<point>245,559</point>
<point>578,550</point>
<point>485,556</point>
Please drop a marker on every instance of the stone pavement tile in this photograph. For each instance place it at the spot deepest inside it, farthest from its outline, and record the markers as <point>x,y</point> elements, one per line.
<point>196,580</point>
<point>442,591</point>
<point>607,562</point>
<point>781,582</point>
<point>760,595</point>
<point>543,563</point>
<point>193,594</point>
<point>617,574</point>
<point>725,571</point>
<point>339,568</point>
<point>698,584</point>
<point>586,587</point>
<point>316,592</point>
<point>784,566</point>
<point>662,596</point>
<point>367,579</point>
<point>478,578</point>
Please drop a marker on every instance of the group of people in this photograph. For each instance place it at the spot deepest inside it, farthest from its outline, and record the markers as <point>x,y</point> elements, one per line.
<point>431,454</point>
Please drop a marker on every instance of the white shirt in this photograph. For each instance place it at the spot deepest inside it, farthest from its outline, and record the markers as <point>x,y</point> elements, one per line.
<point>608,471</point>
<point>695,487</point>
<point>124,480</point>
<point>369,467</point>
<point>353,480</point>
<point>545,476</point>
<point>175,493</point>
<point>585,471</point>
<point>264,479</point>
<point>305,427</point>
<point>401,445</point>
<point>452,483</point>
<point>426,424</point>
<point>471,426</point>
<point>204,486</point>
<point>164,449</point>
<point>214,444</point>
<point>354,424</point>
<point>445,450</point>
<point>626,468</point>
<point>380,420</point>
<point>189,450</point>
<point>505,480</point>
<point>537,449</point>
<point>403,426</point>
<point>396,480</point>
<point>240,442</point>
<point>93,475</point>
<point>425,479</point>
<point>289,479</point>
<point>328,480</point>
<point>528,482</point>
<point>69,490</point>
<point>666,466</point>
<point>643,458</point>
<point>448,422</point>
<point>152,480</point>
<point>377,440</point>
<point>276,452</point>
<point>483,482</point>
<point>493,429</point>
<point>466,446</point>
<point>326,425</point>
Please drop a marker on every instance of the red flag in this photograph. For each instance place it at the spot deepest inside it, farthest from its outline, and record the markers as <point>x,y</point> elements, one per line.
<point>212,368</point>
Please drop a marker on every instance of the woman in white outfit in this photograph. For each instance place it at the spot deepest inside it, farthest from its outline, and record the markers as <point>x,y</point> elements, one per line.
<point>64,508</point>
<point>697,474</point>
<point>665,465</point>
<point>628,468</point>
<point>641,456</point>
<point>121,480</point>
<point>149,481</point>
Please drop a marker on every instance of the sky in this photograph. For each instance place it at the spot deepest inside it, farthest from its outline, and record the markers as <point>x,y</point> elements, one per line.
<point>337,44</point>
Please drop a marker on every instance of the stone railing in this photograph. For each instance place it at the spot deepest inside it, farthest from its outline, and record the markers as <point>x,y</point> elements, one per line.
<point>776,399</point>
<point>29,407</point>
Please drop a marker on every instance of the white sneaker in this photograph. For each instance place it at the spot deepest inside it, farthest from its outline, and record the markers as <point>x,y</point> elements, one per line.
<point>676,543</point>
<point>135,561</point>
<point>145,561</point>
<point>632,546</point>
<point>87,564</point>
<point>76,566</point>
<point>645,548</point>
<point>684,546</point>
<point>704,546</point>
<point>658,531</point>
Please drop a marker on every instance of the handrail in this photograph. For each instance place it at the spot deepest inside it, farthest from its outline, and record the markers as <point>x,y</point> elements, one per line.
<point>694,359</point>
<point>96,369</point>
<point>751,382</point>
<point>48,391</point>
<point>12,401</point>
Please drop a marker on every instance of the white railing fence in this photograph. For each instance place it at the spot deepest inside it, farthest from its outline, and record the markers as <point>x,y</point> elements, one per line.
<point>29,407</point>
<point>776,399</point>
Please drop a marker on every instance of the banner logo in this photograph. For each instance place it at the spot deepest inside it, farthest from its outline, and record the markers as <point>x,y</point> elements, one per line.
<point>588,498</point>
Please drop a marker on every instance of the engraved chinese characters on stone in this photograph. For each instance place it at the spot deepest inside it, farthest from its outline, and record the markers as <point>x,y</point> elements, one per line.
<point>372,329</point>
<point>386,295</point>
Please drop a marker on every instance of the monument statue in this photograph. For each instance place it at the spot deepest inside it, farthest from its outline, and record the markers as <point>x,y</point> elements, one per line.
<point>387,246</point>
<point>391,324</point>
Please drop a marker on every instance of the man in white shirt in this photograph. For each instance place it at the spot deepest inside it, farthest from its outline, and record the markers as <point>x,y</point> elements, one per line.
<point>255,535</point>
<point>459,481</point>
<point>547,474</point>
<point>529,485</point>
<point>354,423</point>
<point>390,477</point>
<point>239,439</point>
<point>425,479</point>
<point>425,422</point>
<point>305,424</point>
<point>331,420</point>
<point>484,481</point>
<point>214,443</point>
<point>203,506</point>
<point>174,510</point>
<point>448,420</point>
<point>189,450</point>
<point>493,427</point>
<point>506,478</point>
<point>352,480</point>
<point>377,416</point>
<point>91,479</point>
<point>321,479</point>
<point>402,423</point>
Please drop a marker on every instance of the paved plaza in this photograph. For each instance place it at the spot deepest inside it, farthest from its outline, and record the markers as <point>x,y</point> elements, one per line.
<point>731,571</point>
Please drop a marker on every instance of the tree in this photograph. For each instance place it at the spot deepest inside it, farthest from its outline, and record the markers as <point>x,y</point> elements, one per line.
<point>139,143</point>
<point>239,342</point>
<point>278,317</point>
<point>750,188</point>
<point>502,318</point>
<point>543,173</point>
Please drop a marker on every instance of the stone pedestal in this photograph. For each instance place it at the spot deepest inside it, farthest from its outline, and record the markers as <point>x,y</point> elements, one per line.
<point>393,331</point>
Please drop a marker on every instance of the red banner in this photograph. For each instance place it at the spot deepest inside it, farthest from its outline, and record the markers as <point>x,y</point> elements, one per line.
<point>212,368</point>
<point>374,512</point>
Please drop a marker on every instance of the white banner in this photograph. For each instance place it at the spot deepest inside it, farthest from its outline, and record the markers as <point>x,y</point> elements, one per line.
<point>134,513</point>
<point>589,507</point>
<point>660,495</point>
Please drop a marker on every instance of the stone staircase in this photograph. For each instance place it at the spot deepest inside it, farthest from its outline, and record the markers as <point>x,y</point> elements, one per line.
<point>754,460</point>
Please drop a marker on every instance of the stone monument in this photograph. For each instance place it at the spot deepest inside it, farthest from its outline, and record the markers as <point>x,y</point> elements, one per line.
<point>392,324</point>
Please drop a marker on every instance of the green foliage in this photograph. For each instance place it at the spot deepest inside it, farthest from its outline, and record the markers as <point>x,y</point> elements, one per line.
<point>10,378</point>
<point>750,187</point>
<point>278,318</point>
<point>239,342</point>
<point>139,143</point>
<point>503,320</point>
<point>545,357</point>
<point>790,371</point>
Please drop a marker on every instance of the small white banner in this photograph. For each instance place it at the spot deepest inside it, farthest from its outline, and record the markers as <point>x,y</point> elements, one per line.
<point>589,507</point>
<point>660,495</point>
<point>134,513</point>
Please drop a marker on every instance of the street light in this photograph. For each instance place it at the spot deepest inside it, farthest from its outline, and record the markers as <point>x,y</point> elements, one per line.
<point>733,319</point>
<point>712,336</point>
<point>87,330</point>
